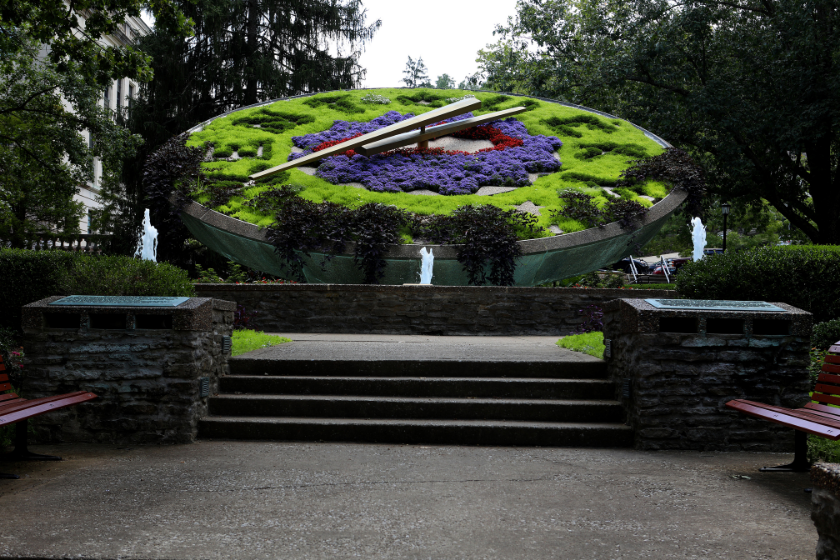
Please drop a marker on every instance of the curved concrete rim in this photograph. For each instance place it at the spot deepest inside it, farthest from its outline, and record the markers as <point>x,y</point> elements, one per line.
<point>248,230</point>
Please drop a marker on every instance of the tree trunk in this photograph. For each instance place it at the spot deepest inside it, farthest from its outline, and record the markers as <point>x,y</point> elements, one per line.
<point>252,47</point>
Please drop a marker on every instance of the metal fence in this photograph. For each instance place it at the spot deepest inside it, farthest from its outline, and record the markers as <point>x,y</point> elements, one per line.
<point>80,243</point>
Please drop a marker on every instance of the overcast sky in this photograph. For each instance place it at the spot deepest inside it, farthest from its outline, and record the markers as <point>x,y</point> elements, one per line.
<point>446,33</point>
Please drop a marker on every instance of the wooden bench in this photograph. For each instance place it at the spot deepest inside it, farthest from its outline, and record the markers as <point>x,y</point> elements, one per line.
<point>17,410</point>
<point>814,418</point>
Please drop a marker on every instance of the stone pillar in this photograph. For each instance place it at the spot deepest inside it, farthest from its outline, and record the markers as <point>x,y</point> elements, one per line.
<point>825,509</point>
<point>152,368</point>
<point>676,369</point>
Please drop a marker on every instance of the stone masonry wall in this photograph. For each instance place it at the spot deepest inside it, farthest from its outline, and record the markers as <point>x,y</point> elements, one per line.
<point>147,381</point>
<point>435,310</point>
<point>681,382</point>
<point>825,509</point>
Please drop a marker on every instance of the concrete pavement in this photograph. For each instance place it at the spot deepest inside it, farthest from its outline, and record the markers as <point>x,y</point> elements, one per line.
<point>218,499</point>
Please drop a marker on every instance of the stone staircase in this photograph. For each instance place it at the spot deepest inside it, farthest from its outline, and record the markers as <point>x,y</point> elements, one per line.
<point>491,392</point>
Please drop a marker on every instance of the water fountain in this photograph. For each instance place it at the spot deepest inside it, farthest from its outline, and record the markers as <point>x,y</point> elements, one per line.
<point>427,263</point>
<point>698,236</point>
<point>147,247</point>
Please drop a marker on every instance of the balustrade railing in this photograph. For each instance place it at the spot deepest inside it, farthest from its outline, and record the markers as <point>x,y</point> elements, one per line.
<point>88,243</point>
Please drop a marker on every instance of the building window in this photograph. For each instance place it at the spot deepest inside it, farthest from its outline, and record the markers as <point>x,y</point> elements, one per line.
<point>131,94</point>
<point>119,94</point>
<point>90,140</point>
<point>106,99</point>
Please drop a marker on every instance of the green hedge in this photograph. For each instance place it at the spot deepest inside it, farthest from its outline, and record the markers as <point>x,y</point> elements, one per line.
<point>27,276</point>
<point>807,277</point>
<point>825,334</point>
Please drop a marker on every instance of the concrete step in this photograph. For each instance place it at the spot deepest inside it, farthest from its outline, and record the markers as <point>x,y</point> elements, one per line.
<point>511,388</point>
<point>583,369</point>
<point>555,410</point>
<point>454,432</point>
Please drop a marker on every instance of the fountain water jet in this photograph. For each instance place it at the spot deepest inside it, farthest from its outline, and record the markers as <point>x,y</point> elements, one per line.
<point>147,247</point>
<point>426,265</point>
<point>698,236</point>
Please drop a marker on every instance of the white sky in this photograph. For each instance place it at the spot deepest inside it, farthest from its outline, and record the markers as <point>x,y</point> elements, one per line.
<point>446,33</point>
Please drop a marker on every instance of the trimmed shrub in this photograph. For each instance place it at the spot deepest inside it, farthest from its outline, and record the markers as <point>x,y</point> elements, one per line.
<point>126,276</point>
<point>805,277</point>
<point>28,276</point>
<point>825,334</point>
<point>32,275</point>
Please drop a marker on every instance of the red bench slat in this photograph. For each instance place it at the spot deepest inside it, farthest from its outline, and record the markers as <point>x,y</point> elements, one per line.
<point>5,386</point>
<point>29,411</point>
<point>825,399</point>
<point>832,359</point>
<point>749,407</point>
<point>802,413</point>
<point>823,408</point>
<point>8,396</point>
<point>831,368</point>
<point>6,408</point>
<point>827,389</point>
<point>830,378</point>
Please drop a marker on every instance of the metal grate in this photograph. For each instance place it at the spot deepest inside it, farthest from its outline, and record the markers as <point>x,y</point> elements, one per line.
<point>203,387</point>
<point>227,344</point>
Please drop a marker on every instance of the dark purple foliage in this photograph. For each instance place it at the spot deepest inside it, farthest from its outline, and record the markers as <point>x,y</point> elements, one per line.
<point>593,320</point>
<point>446,173</point>
<point>242,318</point>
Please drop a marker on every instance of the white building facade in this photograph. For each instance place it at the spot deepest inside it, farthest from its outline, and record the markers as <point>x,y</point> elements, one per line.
<point>117,97</point>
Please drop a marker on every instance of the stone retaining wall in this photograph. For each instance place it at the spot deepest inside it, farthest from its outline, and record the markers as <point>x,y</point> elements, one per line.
<point>676,370</point>
<point>436,310</point>
<point>148,380</point>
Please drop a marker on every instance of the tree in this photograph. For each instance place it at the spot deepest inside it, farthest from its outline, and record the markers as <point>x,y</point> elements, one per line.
<point>44,153</point>
<point>445,82</point>
<point>471,82</point>
<point>245,52</point>
<point>75,45</point>
<point>415,73</point>
<point>751,88</point>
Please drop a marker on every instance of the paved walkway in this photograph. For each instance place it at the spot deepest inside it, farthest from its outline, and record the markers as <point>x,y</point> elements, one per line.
<point>379,347</point>
<point>222,500</point>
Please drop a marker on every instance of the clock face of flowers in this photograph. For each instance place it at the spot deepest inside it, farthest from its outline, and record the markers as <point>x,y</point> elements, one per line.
<point>523,161</point>
<point>513,155</point>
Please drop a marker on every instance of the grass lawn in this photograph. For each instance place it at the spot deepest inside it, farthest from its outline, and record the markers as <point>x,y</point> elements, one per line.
<point>595,151</point>
<point>588,343</point>
<point>247,340</point>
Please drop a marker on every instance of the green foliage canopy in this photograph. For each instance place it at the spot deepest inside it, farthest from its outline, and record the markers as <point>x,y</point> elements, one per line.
<point>751,88</point>
<point>75,42</point>
<point>46,119</point>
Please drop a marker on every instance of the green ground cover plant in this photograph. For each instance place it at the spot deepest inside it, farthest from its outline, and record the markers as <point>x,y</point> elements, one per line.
<point>588,343</point>
<point>245,340</point>
<point>595,151</point>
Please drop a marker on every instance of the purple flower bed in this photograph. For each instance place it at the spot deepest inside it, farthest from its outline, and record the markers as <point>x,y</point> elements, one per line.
<point>445,173</point>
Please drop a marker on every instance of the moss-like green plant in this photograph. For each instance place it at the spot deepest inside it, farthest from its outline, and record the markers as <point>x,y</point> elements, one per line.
<point>272,128</point>
<point>587,343</point>
<point>245,340</point>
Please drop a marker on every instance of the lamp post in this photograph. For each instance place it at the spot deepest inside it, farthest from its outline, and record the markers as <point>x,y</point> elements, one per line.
<point>724,208</point>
